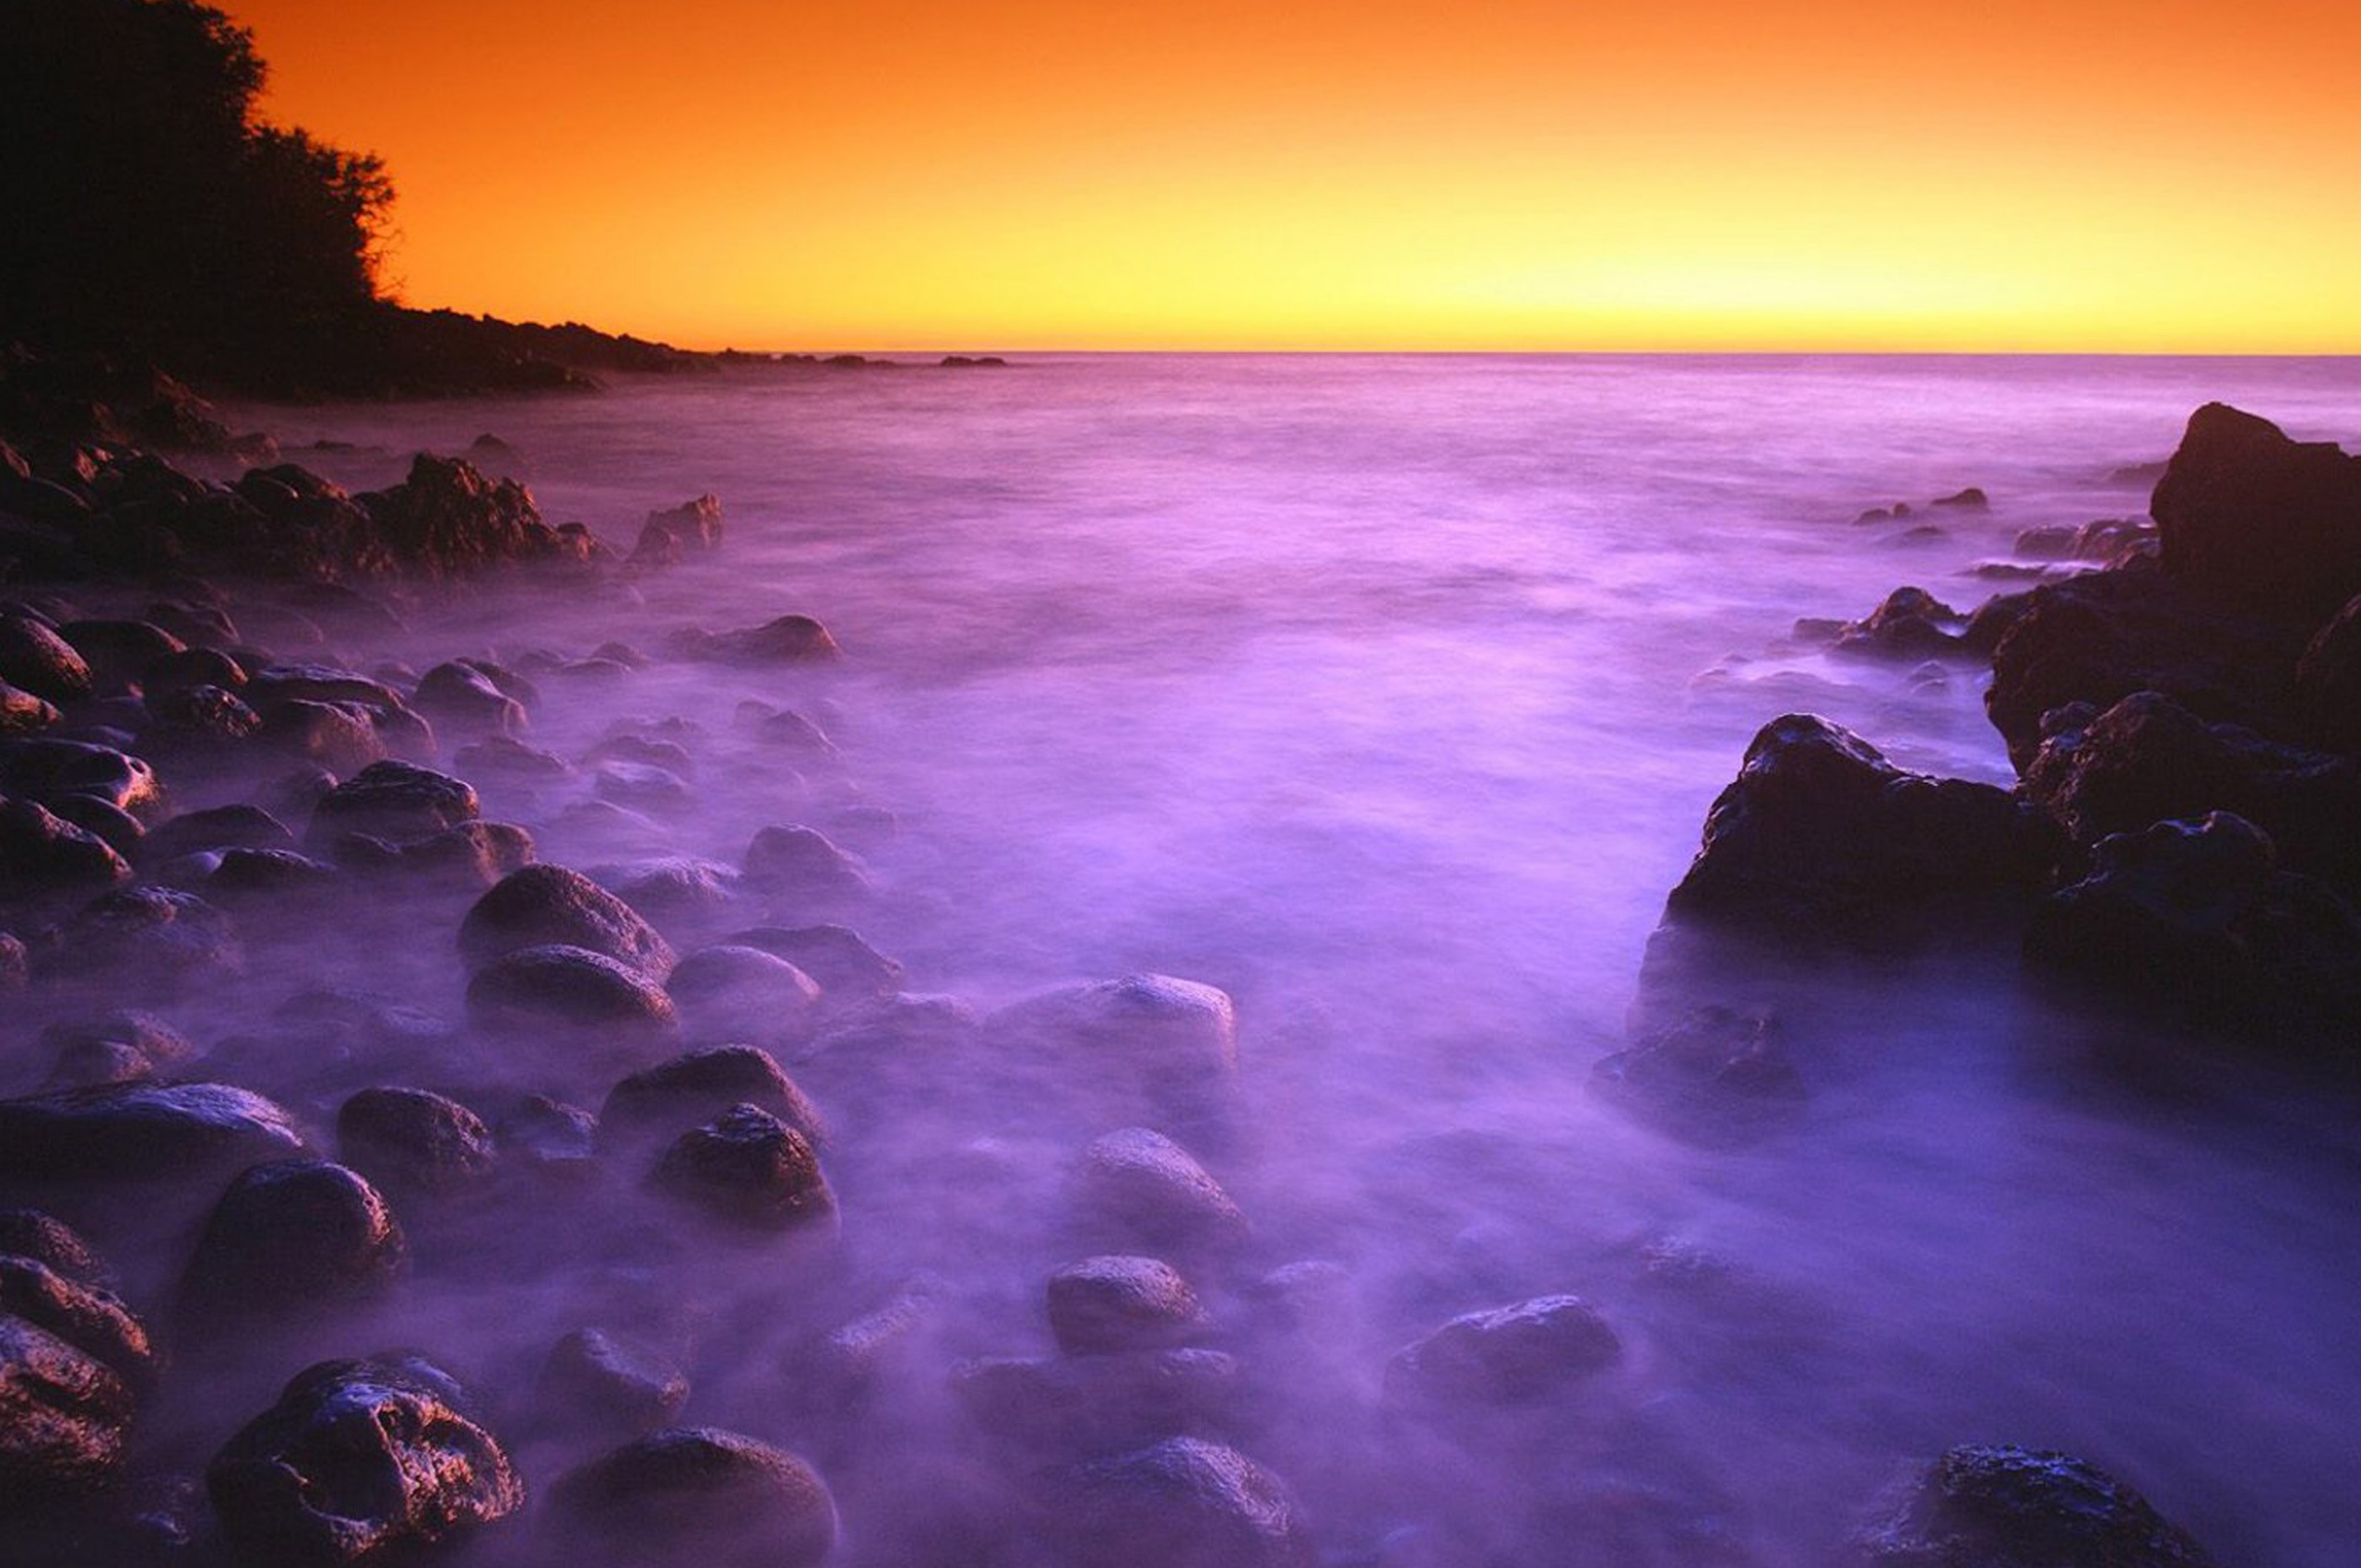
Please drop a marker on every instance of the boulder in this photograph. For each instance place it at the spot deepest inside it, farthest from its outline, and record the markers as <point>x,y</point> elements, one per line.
<point>1537,1349</point>
<point>48,1241</point>
<point>151,940</point>
<point>397,801</point>
<point>695,1494</point>
<point>1820,837</point>
<point>2249,516</point>
<point>603,1383</point>
<point>414,1141</point>
<point>34,659</point>
<point>292,1240</point>
<point>1137,1182</point>
<point>1117,1302</point>
<point>1711,1074</point>
<point>466,695</point>
<point>570,987</point>
<point>1184,1502</point>
<point>847,968</point>
<point>693,527</point>
<point>1998,1507</point>
<point>42,855</point>
<point>21,713</point>
<point>221,827</point>
<point>119,652</point>
<point>358,1461</point>
<point>1911,623</point>
<point>446,519</point>
<point>789,639</point>
<point>48,770</point>
<point>65,1419</point>
<point>2328,681</point>
<point>749,1170</point>
<point>694,1087</point>
<point>730,991</point>
<point>1171,1033</point>
<point>142,1132</point>
<point>86,1316</point>
<point>542,906</point>
<point>801,863</point>
<point>1091,1404</point>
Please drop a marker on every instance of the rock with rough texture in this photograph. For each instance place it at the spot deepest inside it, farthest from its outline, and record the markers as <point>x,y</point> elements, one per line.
<point>1092,1403</point>
<point>65,1419</point>
<point>1535,1349</point>
<point>1998,1507</point>
<point>221,827</point>
<point>2247,515</point>
<point>358,1460</point>
<point>693,527</point>
<point>49,1240</point>
<point>1713,1074</point>
<point>572,988</point>
<point>21,713</point>
<point>86,1316</point>
<point>1185,1502</point>
<point>544,906</point>
<point>467,695</point>
<point>849,970</point>
<point>149,942</point>
<point>142,1132</point>
<point>698,1085</point>
<point>41,768</point>
<point>1820,837</point>
<point>1172,1032</point>
<point>743,992</point>
<point>789,639</point>
<point>1137,1182</point>
<point>414,1141</point>
<point>750,1169</point>
<point>801,863</point>
<point>119,652</point>
<point>34,659</point>
<point>696,1494</point>
<point>1118,1303</point>
<point>2328,680</point>
<point>446,519</point>
<point>600,1383</point>
<point>42,854</point>
<point>1911,623</point>
<point>292,1240</point>
<point>397,801</point>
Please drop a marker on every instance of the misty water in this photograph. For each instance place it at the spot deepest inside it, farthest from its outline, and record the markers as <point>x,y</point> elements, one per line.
<point>1388,695</point>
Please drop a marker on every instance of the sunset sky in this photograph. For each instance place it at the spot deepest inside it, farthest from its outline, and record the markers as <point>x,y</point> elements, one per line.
<point>2156,175</point>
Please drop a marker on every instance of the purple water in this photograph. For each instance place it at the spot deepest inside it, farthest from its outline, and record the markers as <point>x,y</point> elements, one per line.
<point>1388,695</point>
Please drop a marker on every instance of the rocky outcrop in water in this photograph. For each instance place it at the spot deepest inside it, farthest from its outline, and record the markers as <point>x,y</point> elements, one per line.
<point>1996,1507</point>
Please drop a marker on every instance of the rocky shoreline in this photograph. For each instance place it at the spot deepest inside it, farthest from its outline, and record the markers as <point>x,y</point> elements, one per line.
<point>258,838</point>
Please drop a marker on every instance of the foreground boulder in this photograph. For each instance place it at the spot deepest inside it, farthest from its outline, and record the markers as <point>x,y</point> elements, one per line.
<point>1186,1503</point>
<point>750,1169</point>
<point>2247,513</point>
<point>1136,1181</point>
<point>141,1133</point>
<point>1820,837</point>
<point>292,1240</point>
<point>1122,1303</point>
<point>542,906</point>
<point>695,1494</point>
<point>571,988</point>
<point>1515,1355</point>
<point>358,1458</point>
<point>64,1420</point>
<point>1996,1507</point>
<point>698,1086</point>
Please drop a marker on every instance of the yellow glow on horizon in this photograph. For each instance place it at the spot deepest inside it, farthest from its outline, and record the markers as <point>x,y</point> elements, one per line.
<point>1394,174</point>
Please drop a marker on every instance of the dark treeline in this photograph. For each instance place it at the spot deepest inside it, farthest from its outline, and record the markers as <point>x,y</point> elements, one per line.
<point>153,217</point>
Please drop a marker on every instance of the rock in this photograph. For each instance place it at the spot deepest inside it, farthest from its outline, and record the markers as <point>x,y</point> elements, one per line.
<point>1536,1349</point>
<point>447,520</point>
<point>2249,516</point>
<point>695,1494</point>
<point>698,1086</point>
<point>397,801</point>
<point>34,659</point>
<point>142,1132</point>
<point>2328,680</point>
<point>467,859</point>
<point>638,787</point>
<point>341,737</point>
<point>791,639</point>
<point>1176,1032</point>
<point>207,721</point>
<point>1996,1507</point>
<point>151,940</point>
<point>86,1316</point>
<point>44,855</point>
<point>1714,1074</point>
<point>2053,541</point>
<point>569,986</point>
<point>222,827</point>
<point>847,968</point>
<point>544,905</point>
<point>119,652</point>
<point>743,992</point>
<point>550,1136</point>
<point>21,713</point>
<point>48,1241</point>
<point>462,695</point>
<point>274,879</point>
<point>502,757</point>
<point>668,886</point>
<point>801,863</point>
<point>47,770</point>
<point>288,1241</point>
<point>1140,1184</point>
<point>667,536</point>
<point>751,1169</point>
<point>415,1140</point>
<point>119,829</point>
<point>145,1039</point>
<point>1970,499</point>
<point>65,1419</point>
<point>1090,1403</point>
<point>1911,623</point>
<point>837,1374</point>
<point>600,1383</point>
<point>189,668</point>
<point>789,731</point>
<point>1185,1502</point>
<point>1820,837</point>
<point>358,1460</point>
<point>1122,1303</point>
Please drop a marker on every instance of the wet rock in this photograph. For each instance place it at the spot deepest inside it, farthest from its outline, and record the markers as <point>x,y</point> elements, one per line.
<point>847,968</point>
<point>1911,623</point>
<point>358,1460</point>
<point>698,1086</point>
<point>446,519</point>
<point>143,1038</point>
<point>1820,837</point>
<point>1970,499</point>
<point>1090,1403</point>
<point>1186,1503</point>
<point>550,1136</point>
<point>1174,1032</point>
<point>86,1316</point>
<point>1536,1349</point>
<point>1715,1073</point>
<point>801,863</point>
<point>1997,1507</point>
<point>696,1494</point>
<point>119,652</point>
<point>789,731</point>
<point>34,659</point>
<point>463,695</point>
<point>45,769</point>
<point>1122,1303</point>
<point>341,737</point>
<point>743,991</point>
<point>503,757</point>
<point>2328,680</point>
<point>151,940</point>
<point>751,1169</point>
<point>837,1372</point>
<point>648,751</point>
<point>602,1382</point>
<point>669,887</point>
<point>397,801</point>
<point>468,859</point>
<point>2247,515</point>
<point>141,1133</point>
<point>791,639</point>
<point>1138,1183</point>
<point>2051,541</point>
<point>414,1141</point>
<point>222,827</point>
<point>198,721</point>
<point>44,855</point>
<point>569,986</point>
<point>190,668</point>
<point>119,828</point>
<point>291,1239</point>
<point>48,1241</point>
<point>545,905</point>
<point>640,787</point>
<point>275,879</point>
<point>667,536</point>
<point>65,1419</point>
<point>21,713</point>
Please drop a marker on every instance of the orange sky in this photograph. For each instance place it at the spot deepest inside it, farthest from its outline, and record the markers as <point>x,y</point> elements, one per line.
<point>2161,175</point>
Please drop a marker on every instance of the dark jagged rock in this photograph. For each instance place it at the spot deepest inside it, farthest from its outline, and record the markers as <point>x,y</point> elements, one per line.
<point>1820,837</point>
<point>1536,1349</point>
<point>696,1494</point>
<point>572,987</point>
<point>446,519</point>
<point>545,905</point>
<point>292,1240</point>
<point>65,1419</point>
<point>2328,681</point>
<point>358,1460</point>
<point>2249,516</point>
<point>414,1140</point>
<point>791,639</point>
<point>743,992</point>
<point>394,801</point>
<point>86,1316</point>
<point>1711,1074</point>
<point>41,854</point>
<point>801,863</point>
<point>600,1383</point>
<point>848,969</point>
<point>141,1133</point>
<point>1996,1507</point>
<point>667,536</point>
<point>748,1169</point>
<point>698,1086</point>
<point>1138,1183</point>
<point>1122,1303</point>
<point>1185,1502</point>
<point>1911,623</point>
<point>1090,1403</point>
